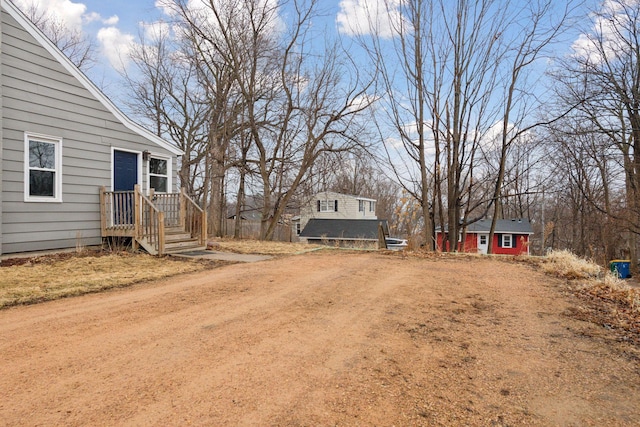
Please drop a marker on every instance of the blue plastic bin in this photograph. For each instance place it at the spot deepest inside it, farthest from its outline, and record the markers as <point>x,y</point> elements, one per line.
<point>622,267</point>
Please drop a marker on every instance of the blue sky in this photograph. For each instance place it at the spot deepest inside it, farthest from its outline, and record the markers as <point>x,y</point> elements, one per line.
<point>115,24</point>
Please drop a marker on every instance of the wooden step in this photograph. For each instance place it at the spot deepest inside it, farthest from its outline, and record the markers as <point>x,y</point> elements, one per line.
<point>173,230</point>
<point>177,237</point>
<point>182,245</point>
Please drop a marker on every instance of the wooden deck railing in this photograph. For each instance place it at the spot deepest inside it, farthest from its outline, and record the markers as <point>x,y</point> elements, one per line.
<point>169,203</point>
<point>151,224</point>
<point>145,218</point>
<point>193,218</point>
<point>117,213</point>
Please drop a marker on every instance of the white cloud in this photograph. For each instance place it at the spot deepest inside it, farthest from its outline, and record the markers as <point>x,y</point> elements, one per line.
<point>604,37</point>
<point>91,17</point>
<point>238,12</point>
<point>116,46</point>
<point>111,21</point>
<point>360,17</point>
<point>155,30</point>
<point>72,14</point>
<point>166,6</point>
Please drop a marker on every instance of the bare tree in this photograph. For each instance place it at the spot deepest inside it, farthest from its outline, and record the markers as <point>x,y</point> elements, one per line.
<point>76,45</point>
<point>537,29</point>
<point>166,95</point>
<point>438,80</point>
<point>297,100</point>
<point>452,73</point>
<point>603,76</point>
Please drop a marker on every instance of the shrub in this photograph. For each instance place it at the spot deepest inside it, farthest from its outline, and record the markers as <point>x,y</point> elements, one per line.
<point>565,264</point>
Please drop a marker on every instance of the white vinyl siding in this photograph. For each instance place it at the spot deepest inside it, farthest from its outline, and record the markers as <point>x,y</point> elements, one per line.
<point>347,207</point>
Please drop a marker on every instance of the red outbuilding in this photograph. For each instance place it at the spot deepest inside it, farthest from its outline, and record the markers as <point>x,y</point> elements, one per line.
<point>511,237</point>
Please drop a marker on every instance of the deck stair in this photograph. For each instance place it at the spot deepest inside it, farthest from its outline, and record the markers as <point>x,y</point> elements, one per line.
<point>159,223</point>
<point>178,240</point>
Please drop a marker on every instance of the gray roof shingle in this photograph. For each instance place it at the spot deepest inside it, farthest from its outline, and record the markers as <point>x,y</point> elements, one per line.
<point>351,229</point>
<point>511,226</point>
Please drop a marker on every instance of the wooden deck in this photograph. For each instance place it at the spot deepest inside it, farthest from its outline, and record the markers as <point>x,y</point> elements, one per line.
<point>160,223</point>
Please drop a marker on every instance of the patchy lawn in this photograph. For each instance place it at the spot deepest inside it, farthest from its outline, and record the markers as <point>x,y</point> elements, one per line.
<point>31,280</point>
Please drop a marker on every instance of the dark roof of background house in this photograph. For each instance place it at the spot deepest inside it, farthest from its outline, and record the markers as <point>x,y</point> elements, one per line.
<point>251,215</point>
<point>512,226</point>
<point>344,228</point>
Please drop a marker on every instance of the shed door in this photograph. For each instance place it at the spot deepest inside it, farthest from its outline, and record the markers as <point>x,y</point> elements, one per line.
<point>483,243</point>
<point>125,177</point>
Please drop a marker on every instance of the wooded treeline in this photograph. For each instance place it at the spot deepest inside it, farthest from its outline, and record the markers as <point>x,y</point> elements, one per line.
<point>447,112</point>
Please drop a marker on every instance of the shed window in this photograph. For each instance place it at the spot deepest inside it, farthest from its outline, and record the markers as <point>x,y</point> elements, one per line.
<point>158,175</point>
<point>507,241</point>
<point>43,171</point>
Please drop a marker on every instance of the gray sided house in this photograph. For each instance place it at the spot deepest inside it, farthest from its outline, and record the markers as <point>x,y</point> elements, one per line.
<point>62,141</point>
<point>340,219</point>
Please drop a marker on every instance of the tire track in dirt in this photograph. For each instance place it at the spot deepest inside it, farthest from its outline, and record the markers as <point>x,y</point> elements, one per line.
<point>349,339</point>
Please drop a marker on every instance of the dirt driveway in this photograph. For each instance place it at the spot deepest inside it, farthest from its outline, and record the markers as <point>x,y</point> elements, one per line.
<point>322,339</point>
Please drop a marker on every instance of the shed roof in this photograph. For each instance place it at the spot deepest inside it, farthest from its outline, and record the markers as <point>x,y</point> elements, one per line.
<point>511,226</point>
<point>344,229</point>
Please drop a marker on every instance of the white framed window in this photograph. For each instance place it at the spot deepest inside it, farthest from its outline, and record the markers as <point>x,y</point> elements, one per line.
<point>43,168</point>
<point>159,174</point>
<point>507,241</point>
<point>327,205</point>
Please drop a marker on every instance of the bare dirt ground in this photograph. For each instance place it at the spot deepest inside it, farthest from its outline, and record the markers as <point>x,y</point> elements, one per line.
<point>320,339</point>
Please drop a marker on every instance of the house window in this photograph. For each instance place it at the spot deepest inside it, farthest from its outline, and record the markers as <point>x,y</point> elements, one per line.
<point>159,175</point>
<point>372,206</point>
<point>507,241</point>
<point>43,171</point>
<point>327,206</point>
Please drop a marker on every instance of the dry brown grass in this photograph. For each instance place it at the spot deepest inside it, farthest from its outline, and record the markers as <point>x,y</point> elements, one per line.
<point>605,299</point>
<point>52,277</point>
<point>261,247</point>
<point>567,265</point>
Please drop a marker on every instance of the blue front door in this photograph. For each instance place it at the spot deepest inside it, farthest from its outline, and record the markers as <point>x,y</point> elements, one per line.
<point>125,177</point>
<point>125,170</point>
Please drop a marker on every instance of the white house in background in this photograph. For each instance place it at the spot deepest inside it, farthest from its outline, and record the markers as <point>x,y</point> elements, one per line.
<point>340,219</point>
<point>331,205</point>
